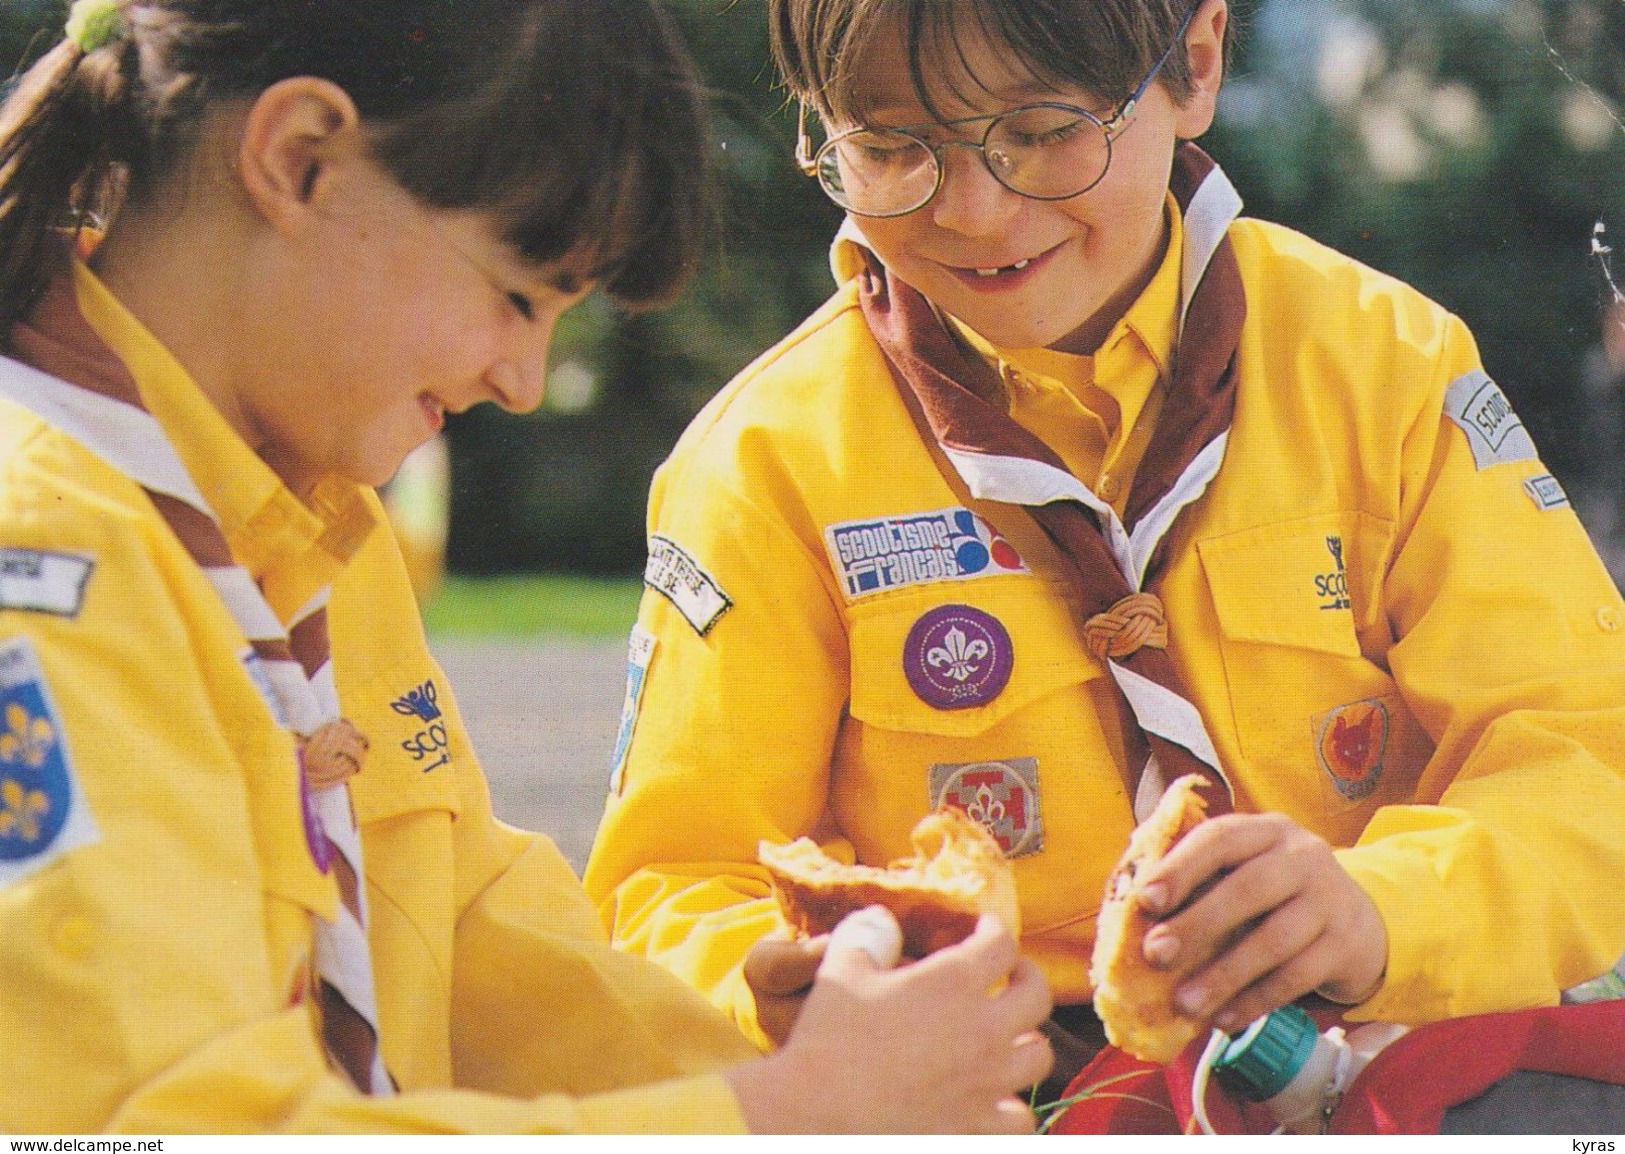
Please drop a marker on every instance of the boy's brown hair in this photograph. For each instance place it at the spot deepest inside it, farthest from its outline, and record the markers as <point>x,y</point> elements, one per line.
<point>1104,47</point>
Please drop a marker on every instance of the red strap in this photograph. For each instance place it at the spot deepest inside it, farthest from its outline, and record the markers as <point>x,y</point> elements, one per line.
<point>1406,1089</point>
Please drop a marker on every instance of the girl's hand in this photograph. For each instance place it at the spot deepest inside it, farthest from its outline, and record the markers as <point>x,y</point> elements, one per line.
<point>939,1045</point>
<point>780,975</point>
<point>1279,918</point>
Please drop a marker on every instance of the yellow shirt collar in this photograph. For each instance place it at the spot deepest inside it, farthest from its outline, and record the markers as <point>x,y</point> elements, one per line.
<point>292,548</point>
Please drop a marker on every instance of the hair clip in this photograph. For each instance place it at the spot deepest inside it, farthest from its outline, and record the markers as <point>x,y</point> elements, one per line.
<point>93,23</point>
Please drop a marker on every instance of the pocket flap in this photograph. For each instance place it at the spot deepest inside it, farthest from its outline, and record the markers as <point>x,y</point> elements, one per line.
<point>1299,583</point>
<point>1046,653</point>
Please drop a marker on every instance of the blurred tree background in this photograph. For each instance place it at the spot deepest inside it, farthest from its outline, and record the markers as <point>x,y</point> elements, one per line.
<point>1471,147</point>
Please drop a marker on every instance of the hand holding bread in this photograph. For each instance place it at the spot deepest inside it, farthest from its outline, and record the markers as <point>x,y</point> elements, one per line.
<point>1216,922</point>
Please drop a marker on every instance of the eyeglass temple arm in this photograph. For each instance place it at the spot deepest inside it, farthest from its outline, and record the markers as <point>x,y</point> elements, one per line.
<point>804,152</point>
<point>1126,109</point>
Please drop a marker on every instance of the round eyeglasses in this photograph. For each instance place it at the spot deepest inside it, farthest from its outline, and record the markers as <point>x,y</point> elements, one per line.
<point>1045,151</point>
<point>1042,151</point>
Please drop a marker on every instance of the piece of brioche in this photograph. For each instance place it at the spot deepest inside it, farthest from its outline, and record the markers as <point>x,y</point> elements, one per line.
<point>957,873</point>
<point>1133,1000</point>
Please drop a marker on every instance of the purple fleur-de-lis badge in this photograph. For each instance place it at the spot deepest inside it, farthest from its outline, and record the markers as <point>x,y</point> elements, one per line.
<point>957,656</point>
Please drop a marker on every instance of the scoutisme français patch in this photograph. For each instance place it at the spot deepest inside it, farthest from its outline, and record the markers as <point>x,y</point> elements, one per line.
<point>42,811</point>
<point>1481,410</point>
<point>914,549</point>
<point>671,572</point>
<point>42,582</point>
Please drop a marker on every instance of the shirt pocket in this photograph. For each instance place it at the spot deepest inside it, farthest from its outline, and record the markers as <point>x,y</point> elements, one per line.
<point>1319,720</point>
<point>1048,746</point>
<point>1046,653</point>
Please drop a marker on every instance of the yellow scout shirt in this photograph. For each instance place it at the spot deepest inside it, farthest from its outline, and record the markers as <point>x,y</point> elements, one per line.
<point>1392,624</point>
<point>154,948</point>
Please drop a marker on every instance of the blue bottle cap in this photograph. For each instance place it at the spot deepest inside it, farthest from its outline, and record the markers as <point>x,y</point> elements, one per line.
<point>1261,1062</point>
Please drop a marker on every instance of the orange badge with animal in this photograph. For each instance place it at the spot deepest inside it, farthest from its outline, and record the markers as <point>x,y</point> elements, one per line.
<point>1350,742</point>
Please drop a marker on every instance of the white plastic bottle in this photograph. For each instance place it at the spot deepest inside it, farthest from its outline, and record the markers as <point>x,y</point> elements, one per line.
<point>1298,1073</point>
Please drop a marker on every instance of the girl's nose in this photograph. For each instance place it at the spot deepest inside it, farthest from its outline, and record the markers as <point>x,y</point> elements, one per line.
<point>970,201</point>
<point>519,378</point>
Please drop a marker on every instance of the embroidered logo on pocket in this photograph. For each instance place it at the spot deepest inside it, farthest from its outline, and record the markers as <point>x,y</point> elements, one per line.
<point>1333,588</point>
<point>1349,743</point>
<point>430,746</point>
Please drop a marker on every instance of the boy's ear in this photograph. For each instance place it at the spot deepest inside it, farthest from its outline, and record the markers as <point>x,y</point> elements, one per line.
<point>294,135</point>
<point>1204,48</point>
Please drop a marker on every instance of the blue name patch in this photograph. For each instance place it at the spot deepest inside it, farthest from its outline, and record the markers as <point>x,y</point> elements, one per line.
<point>42,814</point>
<point>639,652</point>
<point>889,553</point>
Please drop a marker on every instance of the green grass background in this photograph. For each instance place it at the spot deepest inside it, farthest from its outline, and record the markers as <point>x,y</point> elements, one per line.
<point>533,606</point>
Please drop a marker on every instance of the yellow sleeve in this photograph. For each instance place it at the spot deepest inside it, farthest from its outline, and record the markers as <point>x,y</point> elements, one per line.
<point>1500,886</point>
<point>731,741</point>
<point>552,1030</point>
<point>539,999</point>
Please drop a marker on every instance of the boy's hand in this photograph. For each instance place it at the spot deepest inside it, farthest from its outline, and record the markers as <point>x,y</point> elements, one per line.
<point>937,1045</point>
<point>780,975</point>
<point>1281,918</point>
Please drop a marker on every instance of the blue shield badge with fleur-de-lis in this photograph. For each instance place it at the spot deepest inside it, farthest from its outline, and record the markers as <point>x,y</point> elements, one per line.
<point>41,813</point>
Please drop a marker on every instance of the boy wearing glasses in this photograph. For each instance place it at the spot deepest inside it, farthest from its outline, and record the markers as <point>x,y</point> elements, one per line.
<point>1081,482</point>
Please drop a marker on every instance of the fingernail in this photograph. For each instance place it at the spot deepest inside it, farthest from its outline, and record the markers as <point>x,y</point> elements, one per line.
<point>1227,1023</point>
<point>873,931</point>
<point>1161,947</point>
<point>1154,897</point>
<point>1190,1000</point>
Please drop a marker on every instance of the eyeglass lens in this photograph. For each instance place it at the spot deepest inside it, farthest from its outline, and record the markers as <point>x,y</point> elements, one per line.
<point>1046,151</point>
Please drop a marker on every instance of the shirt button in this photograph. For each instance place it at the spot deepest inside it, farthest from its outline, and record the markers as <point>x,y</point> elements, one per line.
<point>1608,619</point>
<point>1109,487</point>
<point>73,938</point>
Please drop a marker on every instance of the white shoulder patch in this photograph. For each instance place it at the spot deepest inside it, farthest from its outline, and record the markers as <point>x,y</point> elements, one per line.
<point>42,582</point>
<point>1546,492</point>
<point>42,811</point>
<point>1481,410</point>
<point>676,575</point>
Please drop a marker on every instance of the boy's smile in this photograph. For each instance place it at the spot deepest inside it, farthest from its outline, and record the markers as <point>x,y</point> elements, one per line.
<point>1005,277</point>
<point>1027,273</point>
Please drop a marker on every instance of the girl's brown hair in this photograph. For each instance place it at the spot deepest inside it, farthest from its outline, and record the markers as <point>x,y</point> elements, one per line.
<point>1104,47</point>
<point>579,123</point>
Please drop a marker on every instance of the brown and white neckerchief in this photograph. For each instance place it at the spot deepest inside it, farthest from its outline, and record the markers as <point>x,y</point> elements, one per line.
<point>291,666</point>
<point>955,396</point>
